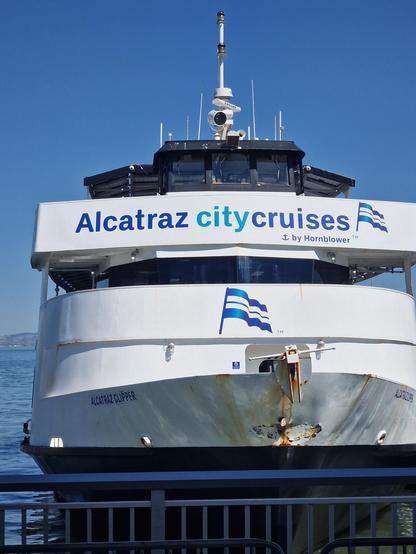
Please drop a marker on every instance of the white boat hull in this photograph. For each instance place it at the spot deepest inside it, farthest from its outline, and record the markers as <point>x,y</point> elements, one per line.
<point>232,411</point>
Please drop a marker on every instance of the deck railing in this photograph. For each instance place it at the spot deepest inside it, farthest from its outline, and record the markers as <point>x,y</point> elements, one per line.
<point>199,511</point>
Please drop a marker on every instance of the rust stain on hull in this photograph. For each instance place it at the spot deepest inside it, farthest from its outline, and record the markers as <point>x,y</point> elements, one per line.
<point>298,435</point>
<point>247,410</point>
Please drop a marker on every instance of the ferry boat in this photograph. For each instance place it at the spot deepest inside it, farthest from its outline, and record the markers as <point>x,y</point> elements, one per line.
<point>209,315</point>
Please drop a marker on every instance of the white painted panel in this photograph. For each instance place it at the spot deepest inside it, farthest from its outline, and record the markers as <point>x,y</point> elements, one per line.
<point>99,366</point>
<point>165,313</point>
<point>231,218</point>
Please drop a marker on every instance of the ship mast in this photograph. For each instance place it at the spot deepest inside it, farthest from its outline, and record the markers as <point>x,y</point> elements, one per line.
<point>221,119</point>
<point>221,55</point>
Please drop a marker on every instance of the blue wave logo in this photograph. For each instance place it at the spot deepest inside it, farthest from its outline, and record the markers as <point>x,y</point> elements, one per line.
<point>368,214</point>
<point>238,305</point>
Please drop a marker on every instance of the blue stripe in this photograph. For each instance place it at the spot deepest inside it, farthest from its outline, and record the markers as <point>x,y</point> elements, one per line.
<point>250,311</point>
<point>372,210</point>
<point>364,205</point>
<point>368,219</point>
<point>378,214</point>
<point>251,321</point>
<point>375,213</point>
<point>379,226</point>
<point>243,294</point>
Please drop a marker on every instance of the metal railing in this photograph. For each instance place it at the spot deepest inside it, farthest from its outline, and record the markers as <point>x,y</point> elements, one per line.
<point>144,546</point>
<point>374,543</point>
<point>172,516</point>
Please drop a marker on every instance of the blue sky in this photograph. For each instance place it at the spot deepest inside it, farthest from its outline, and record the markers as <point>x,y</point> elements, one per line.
<point>85,84</point>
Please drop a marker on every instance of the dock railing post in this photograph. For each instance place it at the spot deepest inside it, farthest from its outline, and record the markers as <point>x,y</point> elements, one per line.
<point>157,517</point>
<point>2,527</point>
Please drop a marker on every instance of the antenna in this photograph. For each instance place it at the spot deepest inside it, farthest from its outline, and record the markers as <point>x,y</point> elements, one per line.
<point>275,127</point>
<point>221,119</point>
<point>253,110</point>
<point>281,128</point>
<point>187,127</point>
<point>200,115</point>
<point>221,52</point>
<point>161,135</point>
<point>249,133</point>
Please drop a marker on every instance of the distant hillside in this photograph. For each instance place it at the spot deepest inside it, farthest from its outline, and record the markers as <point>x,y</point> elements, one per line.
<point>18,340</point>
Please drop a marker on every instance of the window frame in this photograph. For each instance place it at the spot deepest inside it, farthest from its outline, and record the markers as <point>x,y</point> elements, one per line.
<point>294,171</point>
<point>173,187</point>
<point>274,187</point>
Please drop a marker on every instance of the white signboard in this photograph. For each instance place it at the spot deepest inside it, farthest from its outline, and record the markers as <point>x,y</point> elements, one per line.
<point>225,218</point>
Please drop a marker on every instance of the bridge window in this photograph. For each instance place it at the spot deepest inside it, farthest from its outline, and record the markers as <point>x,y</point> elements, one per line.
<point>188,170</point>
<point>230,168</point>
<point>272,170</point>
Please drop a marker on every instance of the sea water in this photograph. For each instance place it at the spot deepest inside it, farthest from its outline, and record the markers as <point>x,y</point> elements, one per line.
<point>16,377</point>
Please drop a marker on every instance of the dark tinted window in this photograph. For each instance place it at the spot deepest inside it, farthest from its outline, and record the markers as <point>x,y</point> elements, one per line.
<point>325,272</point>
<point>230,168</point>
<point>223,269</point>
<point>188,169</point>
<point>137,273</point>
<point>274,270</point>
<point>175,271</point>
<point>272,170</point>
